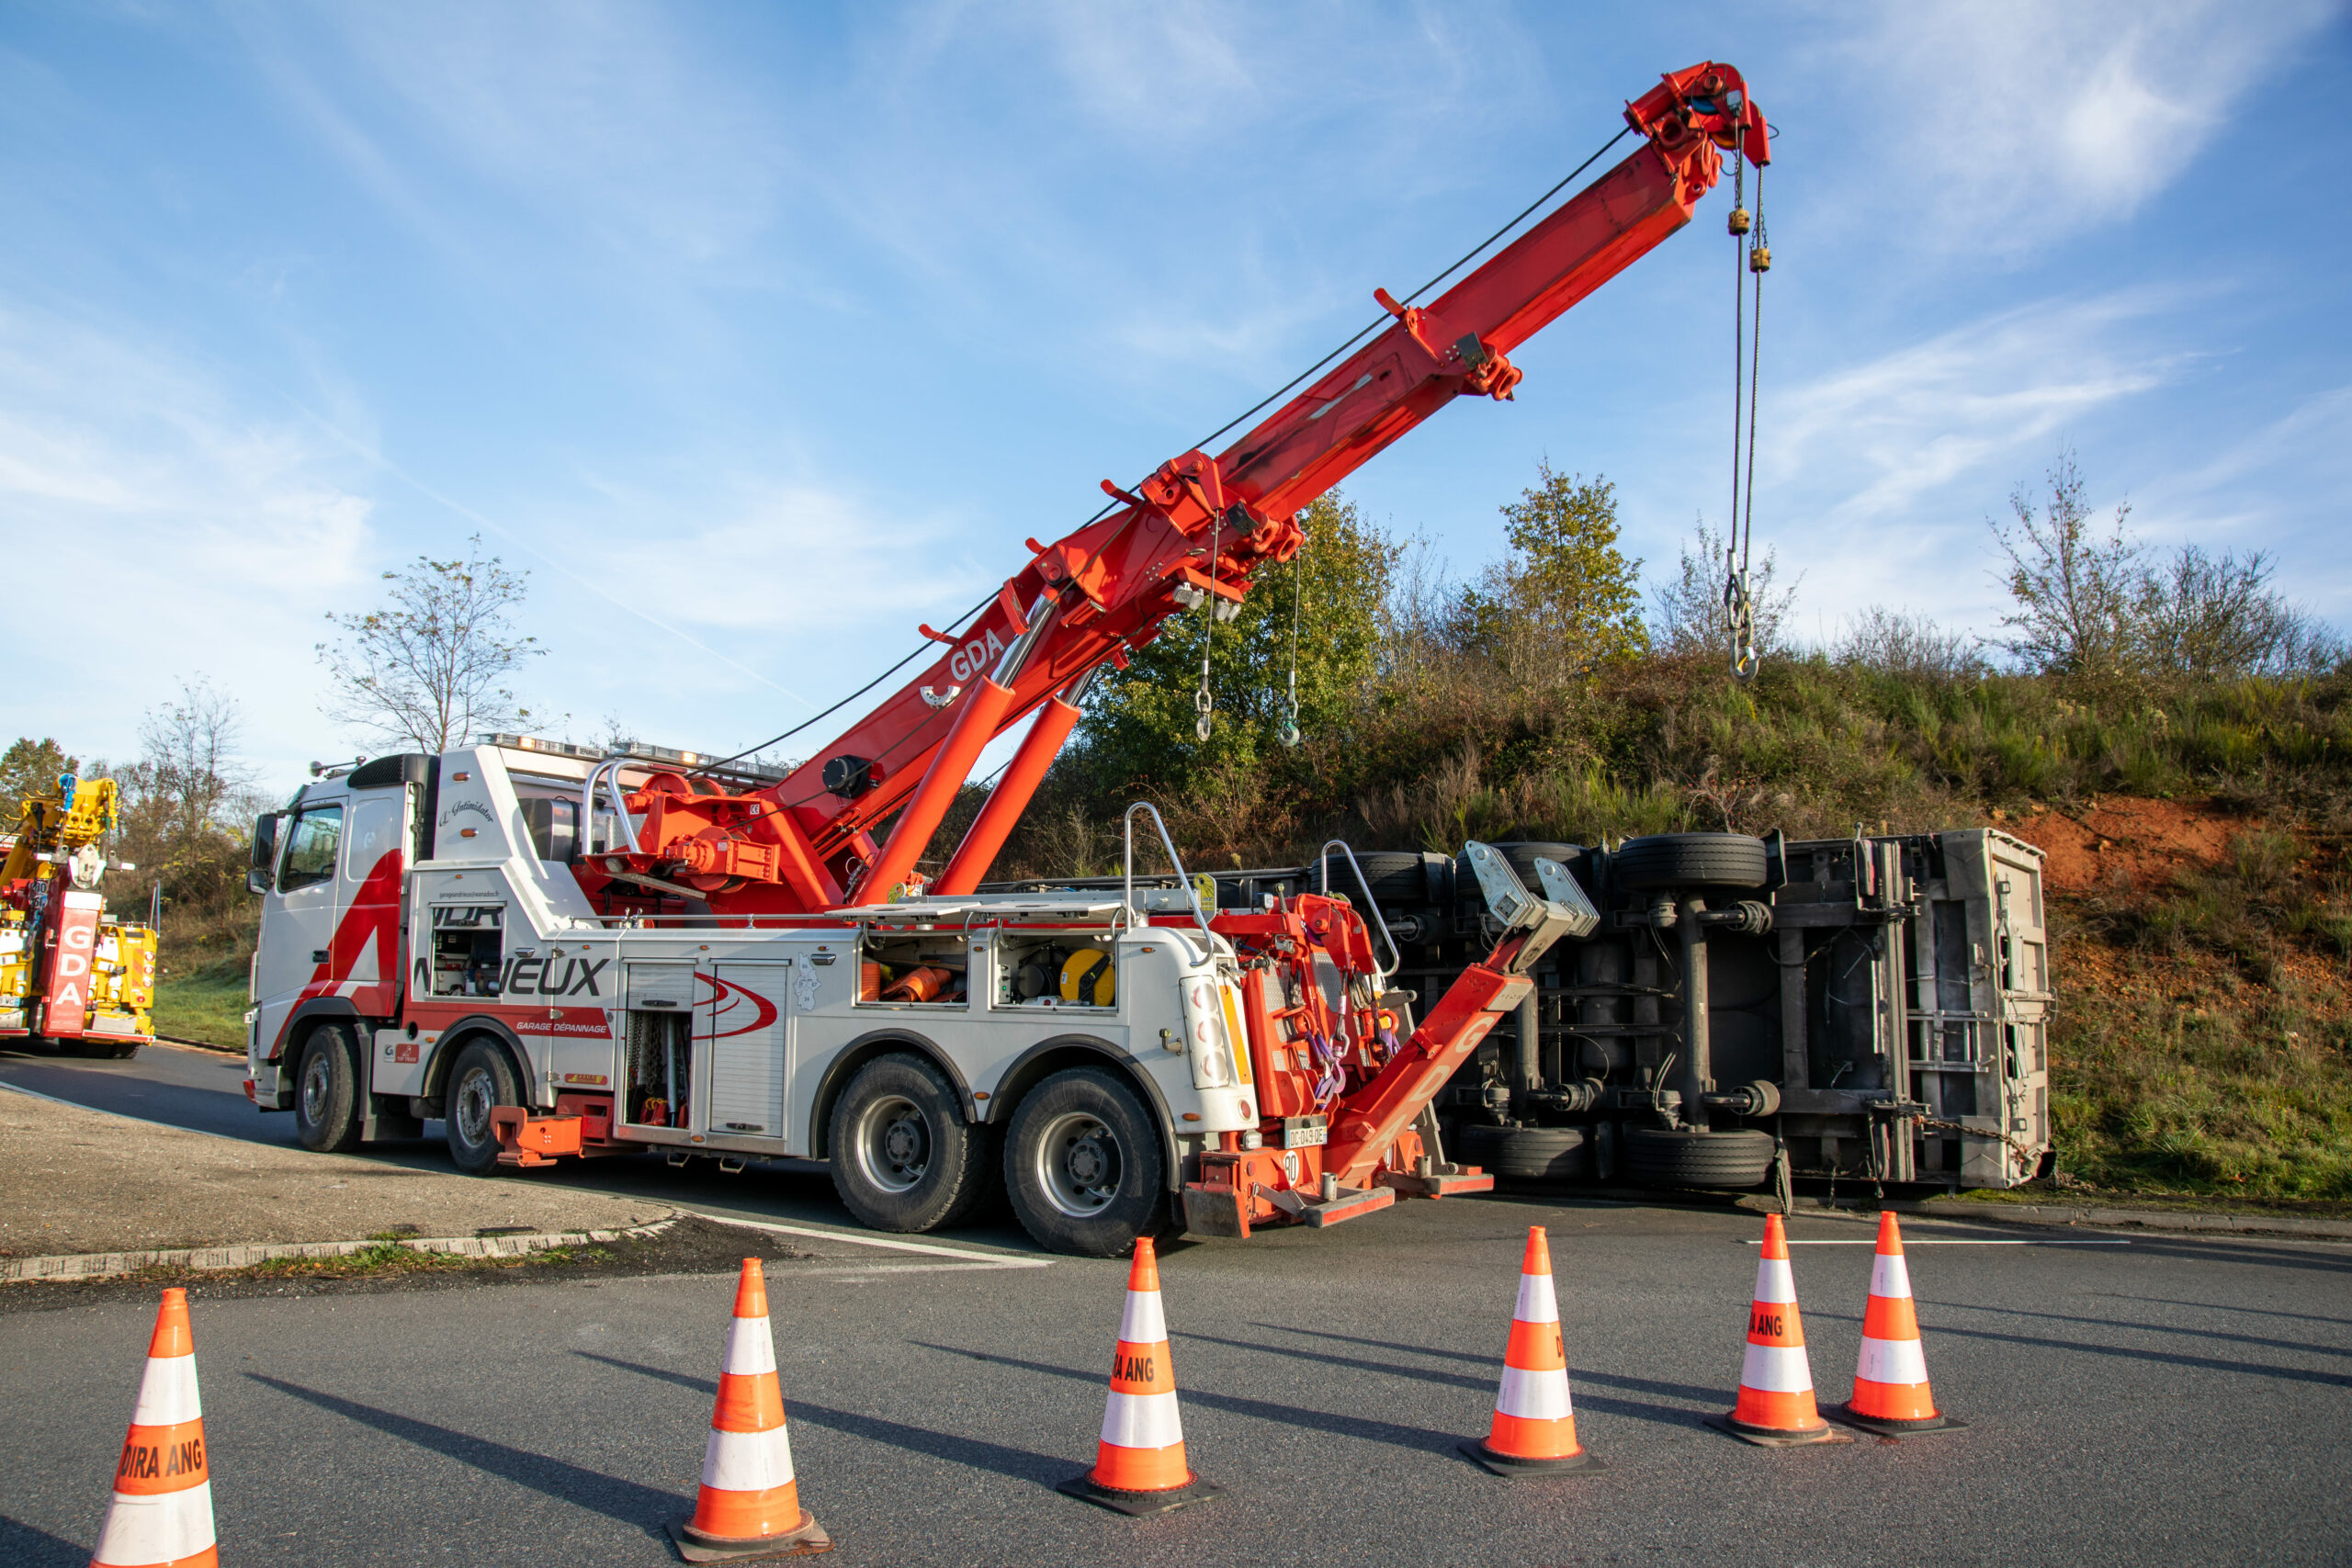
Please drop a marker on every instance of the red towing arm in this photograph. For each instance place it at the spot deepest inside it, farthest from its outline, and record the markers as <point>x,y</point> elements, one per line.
<point>1199,526</point>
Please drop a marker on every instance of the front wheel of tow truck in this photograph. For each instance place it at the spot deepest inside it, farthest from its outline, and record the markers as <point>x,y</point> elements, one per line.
<point>482,1080</point>
<point>1082,1165</point>
<point>326,1089</point>
<point>903,1158</point>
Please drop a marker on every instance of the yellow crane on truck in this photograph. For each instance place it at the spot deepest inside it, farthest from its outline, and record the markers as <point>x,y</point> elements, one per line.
<point>71,979</point>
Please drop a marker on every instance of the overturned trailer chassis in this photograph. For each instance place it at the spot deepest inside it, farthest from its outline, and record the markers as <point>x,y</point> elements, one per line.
<point>1873,1008</point>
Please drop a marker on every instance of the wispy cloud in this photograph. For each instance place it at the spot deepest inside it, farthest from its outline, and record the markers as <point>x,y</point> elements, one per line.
<point>2017,122</point>
<point>1868,440</point>
<point>186,532</point>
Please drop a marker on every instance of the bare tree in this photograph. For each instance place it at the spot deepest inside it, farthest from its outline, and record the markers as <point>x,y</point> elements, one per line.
<point>2209,617</point>
<point>187,803</point>
<point>2079,593</point>
<point>2090,603</point>
<point>1688,613</point>
<point>189,751</point>
<point>429,669</point>
<point>1897,643</point>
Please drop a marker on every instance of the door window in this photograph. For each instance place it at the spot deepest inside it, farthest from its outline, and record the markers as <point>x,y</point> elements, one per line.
<point>311,848</point>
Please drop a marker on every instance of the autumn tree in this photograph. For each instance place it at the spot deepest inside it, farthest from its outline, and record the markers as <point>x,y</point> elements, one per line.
<point>1566,603</point>
<point>29,767</point>
<point>1322,608</point>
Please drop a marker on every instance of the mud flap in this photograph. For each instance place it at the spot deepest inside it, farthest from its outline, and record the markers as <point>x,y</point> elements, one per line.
<point>1212,1211</point>
<point>386,1116</point>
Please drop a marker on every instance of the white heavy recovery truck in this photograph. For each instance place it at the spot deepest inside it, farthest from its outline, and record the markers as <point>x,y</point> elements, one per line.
<point>427,953</point>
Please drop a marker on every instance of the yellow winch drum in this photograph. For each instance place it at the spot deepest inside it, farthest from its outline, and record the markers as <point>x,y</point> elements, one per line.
<point>1089,979</point>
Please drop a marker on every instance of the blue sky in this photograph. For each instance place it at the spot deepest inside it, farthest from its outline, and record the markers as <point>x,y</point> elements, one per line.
<point>759,334</point>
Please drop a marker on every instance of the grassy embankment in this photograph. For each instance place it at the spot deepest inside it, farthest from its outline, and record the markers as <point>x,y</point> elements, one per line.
<point>203,959</point>
<point>2203,1027</point>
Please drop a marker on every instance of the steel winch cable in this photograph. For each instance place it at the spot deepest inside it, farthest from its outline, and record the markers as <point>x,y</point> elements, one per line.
<point>901,664</point>
<point>1752,253</point>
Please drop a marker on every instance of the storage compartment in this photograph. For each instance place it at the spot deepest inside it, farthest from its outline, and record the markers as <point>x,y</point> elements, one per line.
<point>467,955</point>
<point>658,1067</point>
<point>921,969</point>
<point>1064,970</point>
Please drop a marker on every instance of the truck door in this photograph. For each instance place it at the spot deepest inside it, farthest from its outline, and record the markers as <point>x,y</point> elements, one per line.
<point>744,1026</point>
<point>300,915</point>
<point>366,941</point>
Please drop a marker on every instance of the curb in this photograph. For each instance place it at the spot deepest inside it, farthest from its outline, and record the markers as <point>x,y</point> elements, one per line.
<point>107,1265</point>
<point>200,1046</point>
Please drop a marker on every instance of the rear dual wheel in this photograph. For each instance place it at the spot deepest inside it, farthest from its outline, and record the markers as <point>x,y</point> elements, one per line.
<point>903,1157</point>
<point>1083,1164</point>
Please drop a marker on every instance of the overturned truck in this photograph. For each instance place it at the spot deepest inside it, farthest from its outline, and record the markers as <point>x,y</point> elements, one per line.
<point>1746,1009</point>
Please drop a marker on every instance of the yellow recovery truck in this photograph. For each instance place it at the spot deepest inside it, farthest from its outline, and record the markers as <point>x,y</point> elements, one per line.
<point>71,979</point>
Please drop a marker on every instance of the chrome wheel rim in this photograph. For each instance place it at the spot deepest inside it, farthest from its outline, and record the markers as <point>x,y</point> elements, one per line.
<point>470,1106</point>
<point>894,1145</point>
<point>318,1082</point>
<point>1080,1163</point>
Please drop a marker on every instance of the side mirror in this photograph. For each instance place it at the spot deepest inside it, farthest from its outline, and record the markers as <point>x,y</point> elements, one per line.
<point>264,853</point>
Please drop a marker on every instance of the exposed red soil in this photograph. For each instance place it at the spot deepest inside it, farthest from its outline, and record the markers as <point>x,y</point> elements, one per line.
<point>2122,845</point>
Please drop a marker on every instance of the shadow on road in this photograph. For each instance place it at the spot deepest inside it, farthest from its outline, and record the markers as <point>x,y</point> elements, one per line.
<point>21,1543</point>
<point>623,1501</point>
<point>1418,1438</point>
<point>1600,1403</point>
<point>1016,1464</point>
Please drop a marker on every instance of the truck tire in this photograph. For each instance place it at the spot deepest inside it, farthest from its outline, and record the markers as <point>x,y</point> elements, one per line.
<point>1530,1154</point>
<point>1667,860</point>
<point>903,1157</point>
<point>1394,876</point>
<point>326,1089</point>
<point>1681,1156</point>
<point>482,1080</point>
<point>1083,1164</point>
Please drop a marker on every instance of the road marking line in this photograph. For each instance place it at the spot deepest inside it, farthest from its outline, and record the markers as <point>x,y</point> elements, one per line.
<point>1910,1241</point>
<point>992,1258</point>
<point>866,1270</point>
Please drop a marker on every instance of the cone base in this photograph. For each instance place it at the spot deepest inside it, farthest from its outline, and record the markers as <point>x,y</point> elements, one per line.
<point>806,1538</point>
<point>1776,1437</point>
<point>1135,1505</point>
<point>1880,1428</point>
<point>1510,1467</point>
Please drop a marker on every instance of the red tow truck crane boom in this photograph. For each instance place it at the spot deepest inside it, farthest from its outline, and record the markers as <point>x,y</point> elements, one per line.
<point>1199,525</point>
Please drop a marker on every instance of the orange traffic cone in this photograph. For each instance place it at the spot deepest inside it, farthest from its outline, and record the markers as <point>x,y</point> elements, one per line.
<point>1139,1465</point>
<point>1890,1395</point>
<point>1775,1408</point>
<point>750,1503</point>
<point>161,1509</point>
<point>1535,1429</point>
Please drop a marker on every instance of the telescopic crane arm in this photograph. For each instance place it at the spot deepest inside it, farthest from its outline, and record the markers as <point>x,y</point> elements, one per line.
<point>1200,526</point>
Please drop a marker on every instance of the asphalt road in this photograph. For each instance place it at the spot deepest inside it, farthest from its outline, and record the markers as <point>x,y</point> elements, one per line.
<point>2164,1401</point>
